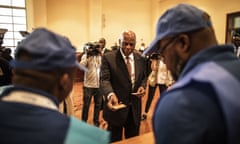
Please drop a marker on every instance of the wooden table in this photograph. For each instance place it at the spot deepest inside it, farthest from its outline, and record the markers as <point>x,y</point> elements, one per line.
<point>142,139</point>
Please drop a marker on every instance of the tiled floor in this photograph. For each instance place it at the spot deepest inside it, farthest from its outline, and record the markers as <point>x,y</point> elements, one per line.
<point>76,95</point>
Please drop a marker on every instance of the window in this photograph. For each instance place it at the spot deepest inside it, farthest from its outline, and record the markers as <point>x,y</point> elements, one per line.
<point>12,18</point>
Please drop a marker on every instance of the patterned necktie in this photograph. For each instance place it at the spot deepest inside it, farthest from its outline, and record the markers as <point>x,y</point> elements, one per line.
<point>129,67</point>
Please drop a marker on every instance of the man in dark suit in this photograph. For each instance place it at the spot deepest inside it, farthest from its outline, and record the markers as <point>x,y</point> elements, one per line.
<point>121,86</point>
<point>102,43</point>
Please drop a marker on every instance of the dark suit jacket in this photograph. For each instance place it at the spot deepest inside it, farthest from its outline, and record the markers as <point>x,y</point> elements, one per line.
<point>5,74</point>
<point>115,78</point>
<point>106,51</point>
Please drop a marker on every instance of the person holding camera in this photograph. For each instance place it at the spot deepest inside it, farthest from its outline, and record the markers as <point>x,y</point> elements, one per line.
<point>91,59</point>
<point>162,78</point>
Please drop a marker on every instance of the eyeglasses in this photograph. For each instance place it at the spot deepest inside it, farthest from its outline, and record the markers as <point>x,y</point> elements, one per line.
<point>162,49</point>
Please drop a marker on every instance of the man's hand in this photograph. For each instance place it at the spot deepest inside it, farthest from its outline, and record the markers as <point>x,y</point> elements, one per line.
<point>140,92</point>
<point>113,100</point>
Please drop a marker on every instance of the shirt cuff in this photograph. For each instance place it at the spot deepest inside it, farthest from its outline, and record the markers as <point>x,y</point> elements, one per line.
<point>110,94</point>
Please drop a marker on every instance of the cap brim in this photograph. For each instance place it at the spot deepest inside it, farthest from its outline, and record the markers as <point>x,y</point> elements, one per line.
<point>81,67</point>
<point>152,47</point>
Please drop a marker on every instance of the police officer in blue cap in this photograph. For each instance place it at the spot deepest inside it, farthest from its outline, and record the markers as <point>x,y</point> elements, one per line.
<point>43,68</point>
<point>203,106</point>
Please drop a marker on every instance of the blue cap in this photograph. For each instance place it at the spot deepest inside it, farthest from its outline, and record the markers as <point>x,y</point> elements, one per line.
<point>179,19</point>
<point>48,50</point>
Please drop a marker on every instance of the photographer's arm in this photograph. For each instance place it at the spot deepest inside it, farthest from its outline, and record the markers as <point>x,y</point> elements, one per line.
<point>83,60</point>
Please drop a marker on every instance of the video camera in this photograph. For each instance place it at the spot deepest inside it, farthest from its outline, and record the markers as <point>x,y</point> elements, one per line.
<point>91,48</point>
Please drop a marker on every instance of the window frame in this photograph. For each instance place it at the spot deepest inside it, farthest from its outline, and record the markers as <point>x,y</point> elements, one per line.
<point>18,21</point>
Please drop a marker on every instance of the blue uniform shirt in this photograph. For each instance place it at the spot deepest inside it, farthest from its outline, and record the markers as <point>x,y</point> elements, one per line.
<point>24,123</point>
<point>204,105</point>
